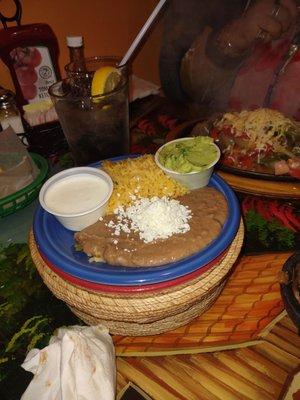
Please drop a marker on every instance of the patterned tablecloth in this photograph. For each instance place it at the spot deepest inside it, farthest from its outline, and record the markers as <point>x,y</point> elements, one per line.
<point>246,310</point>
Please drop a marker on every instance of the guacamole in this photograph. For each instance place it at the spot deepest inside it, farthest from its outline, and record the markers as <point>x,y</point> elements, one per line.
<point>190,155</point>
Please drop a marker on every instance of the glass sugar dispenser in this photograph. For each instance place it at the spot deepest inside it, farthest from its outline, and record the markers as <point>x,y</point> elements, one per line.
<point>9,113</point>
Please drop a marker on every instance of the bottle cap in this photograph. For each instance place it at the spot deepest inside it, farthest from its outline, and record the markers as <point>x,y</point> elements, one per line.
<point>6,97</point>
<point>74,41</point>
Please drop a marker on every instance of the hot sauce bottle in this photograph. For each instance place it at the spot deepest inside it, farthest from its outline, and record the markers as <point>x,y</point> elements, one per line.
<point>76,53</point>
<point>31,54</point>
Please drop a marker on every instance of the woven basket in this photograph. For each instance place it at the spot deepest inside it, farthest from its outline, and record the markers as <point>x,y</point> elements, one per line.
<point>147,313</point>
<point>160,326</point>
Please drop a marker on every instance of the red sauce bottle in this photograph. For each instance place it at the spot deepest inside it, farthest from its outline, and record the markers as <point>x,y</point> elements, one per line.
<point>31,54</point>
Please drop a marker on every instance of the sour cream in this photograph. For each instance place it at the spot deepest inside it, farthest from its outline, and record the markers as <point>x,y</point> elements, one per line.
<point>77,197</point>
<point>76,194</point>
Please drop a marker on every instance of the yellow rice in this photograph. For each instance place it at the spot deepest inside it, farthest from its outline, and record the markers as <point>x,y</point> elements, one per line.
<point>139,177</point>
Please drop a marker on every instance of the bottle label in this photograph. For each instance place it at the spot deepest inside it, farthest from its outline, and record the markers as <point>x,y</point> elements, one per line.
<point>34,70</point>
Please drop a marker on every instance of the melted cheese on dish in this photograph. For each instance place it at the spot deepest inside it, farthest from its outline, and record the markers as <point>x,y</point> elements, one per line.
<point>263,126</point>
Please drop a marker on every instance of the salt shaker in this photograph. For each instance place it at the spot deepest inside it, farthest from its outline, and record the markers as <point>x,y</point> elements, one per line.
<point>9,113</point>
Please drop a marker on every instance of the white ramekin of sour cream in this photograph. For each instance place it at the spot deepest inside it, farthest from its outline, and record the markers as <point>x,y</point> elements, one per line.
<point>77,197</point>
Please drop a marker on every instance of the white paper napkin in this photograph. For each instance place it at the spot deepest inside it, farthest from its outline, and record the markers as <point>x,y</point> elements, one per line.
<point>78,363</point>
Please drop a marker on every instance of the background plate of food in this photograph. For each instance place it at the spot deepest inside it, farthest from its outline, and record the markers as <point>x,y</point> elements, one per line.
<point>258,144</point>
<point>57,243</point>
<point>260,150</point>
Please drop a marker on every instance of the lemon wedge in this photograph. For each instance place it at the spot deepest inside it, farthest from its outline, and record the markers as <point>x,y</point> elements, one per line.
<point>105,80</point>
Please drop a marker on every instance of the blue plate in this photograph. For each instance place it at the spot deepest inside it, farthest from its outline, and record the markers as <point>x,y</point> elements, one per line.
<point>57,244</point>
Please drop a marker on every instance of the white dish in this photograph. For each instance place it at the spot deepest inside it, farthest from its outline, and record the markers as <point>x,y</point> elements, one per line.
<point>77,197</point>
<point>191,180</point>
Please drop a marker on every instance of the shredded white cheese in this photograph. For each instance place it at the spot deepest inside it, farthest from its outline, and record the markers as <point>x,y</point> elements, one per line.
<point>263,126</point>
<point>152,218</point>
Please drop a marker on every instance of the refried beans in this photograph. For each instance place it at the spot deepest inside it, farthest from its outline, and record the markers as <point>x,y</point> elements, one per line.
<point>209,213</point>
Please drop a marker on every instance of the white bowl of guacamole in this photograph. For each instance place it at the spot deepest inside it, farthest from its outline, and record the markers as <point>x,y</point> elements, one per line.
<point>189,160</point>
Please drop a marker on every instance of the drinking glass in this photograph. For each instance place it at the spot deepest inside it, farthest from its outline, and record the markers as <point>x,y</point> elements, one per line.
<point>96,127</point>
